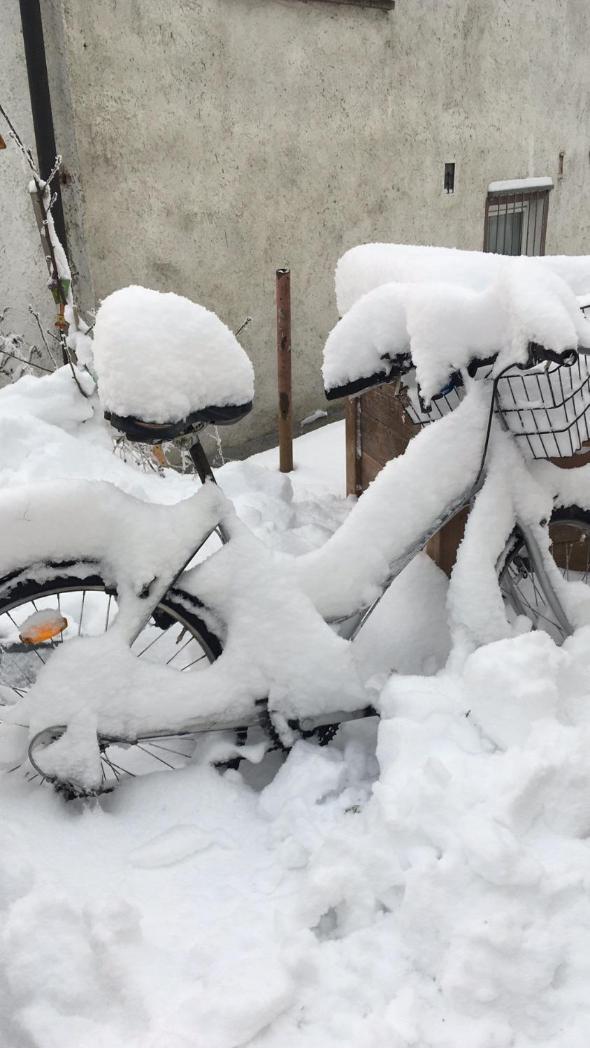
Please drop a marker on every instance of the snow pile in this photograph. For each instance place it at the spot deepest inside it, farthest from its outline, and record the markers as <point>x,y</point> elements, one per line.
<point>420,883</point>
<point>452,909</point>
<point>53,399</point>
<point>160,357</point>
<point>367,266</point>
<point>436,896</point>
<point>445,325</point>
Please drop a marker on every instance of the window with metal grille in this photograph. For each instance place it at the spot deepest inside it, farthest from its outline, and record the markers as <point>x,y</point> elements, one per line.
<point>516,216</point>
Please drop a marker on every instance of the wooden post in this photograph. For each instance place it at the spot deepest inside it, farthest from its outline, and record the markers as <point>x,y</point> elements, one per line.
<point>284,369</point>
<point>353,408</point>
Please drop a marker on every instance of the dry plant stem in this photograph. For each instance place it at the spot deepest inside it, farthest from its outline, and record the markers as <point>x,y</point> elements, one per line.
<point>46,213</point>
<point>247,321</point>
<point>42,333</point>
<point>29,363</point>
<point>21,145</point>
<point>68,360</point>
<point>43,191</point>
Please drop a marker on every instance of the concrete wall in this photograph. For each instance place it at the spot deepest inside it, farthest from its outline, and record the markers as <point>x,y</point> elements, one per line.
<point>23,273</point>
<point>219,139</point>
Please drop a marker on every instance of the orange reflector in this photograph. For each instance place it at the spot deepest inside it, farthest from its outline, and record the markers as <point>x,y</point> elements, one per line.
<point>36,632</point>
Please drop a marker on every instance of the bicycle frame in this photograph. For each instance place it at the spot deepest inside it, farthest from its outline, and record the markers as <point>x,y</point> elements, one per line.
<point>349,626</point>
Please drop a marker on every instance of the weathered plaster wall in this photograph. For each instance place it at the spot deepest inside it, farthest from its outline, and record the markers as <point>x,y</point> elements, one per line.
<point>219,139</point>
<point>23,273</point>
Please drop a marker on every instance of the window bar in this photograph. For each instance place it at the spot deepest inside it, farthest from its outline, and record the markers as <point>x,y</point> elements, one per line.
<point>534,251</point>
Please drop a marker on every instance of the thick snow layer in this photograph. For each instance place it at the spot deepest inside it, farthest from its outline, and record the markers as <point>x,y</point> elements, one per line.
<point>435,898</point>
<point>438,469</point>
<point>160,357</point>
<point>420,882</point>
<point>444,324</point>
<point>277,646</point>
<point>368,266</point>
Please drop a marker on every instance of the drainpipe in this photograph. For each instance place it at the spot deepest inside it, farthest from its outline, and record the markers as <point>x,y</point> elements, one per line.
<point>32,27</point>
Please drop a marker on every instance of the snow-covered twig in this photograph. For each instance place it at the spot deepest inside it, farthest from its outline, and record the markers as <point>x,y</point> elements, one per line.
<point>59,268</point>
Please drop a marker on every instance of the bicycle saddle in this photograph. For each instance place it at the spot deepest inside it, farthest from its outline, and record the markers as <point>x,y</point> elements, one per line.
<point>166,366</point>
<point>137,429</point>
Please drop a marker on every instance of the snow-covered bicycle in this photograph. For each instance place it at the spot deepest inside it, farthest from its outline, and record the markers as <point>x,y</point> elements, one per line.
<point>103,597</point>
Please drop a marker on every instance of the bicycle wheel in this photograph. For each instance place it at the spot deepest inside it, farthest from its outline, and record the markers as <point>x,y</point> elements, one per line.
<point>175,636</point>
<point>569,532</point>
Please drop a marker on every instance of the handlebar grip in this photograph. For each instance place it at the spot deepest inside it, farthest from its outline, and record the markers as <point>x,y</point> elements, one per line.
<point>565,359</point>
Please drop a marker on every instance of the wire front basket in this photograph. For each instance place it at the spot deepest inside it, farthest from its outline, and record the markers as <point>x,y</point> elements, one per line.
<point>439,406</point>
<point>546,408</point>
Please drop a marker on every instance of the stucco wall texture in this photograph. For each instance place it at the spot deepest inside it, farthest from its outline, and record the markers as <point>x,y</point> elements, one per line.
<point>220,139</point>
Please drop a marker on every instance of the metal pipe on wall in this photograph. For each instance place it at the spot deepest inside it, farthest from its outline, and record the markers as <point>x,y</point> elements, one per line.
<point>34,44</point>
<point>283,295</point>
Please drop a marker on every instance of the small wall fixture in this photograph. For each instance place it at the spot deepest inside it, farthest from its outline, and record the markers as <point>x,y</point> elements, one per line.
<point>449,182</point>
<point>560,164</point>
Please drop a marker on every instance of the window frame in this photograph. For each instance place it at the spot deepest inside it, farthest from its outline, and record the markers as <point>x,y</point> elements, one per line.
<point>519,201</point>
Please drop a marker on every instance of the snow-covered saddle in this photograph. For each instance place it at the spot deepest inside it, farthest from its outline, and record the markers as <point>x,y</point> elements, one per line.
<point>165,365</point>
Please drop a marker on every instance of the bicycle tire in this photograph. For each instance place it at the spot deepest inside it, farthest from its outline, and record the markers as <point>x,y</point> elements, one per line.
<point>22,591</point>
<point>569,529</point>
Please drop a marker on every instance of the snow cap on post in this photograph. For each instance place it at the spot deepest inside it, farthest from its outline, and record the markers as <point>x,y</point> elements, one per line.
<point>160,357</point>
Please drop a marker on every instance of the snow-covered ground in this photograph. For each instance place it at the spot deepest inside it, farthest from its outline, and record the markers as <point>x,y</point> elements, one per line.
<point>420,882</point>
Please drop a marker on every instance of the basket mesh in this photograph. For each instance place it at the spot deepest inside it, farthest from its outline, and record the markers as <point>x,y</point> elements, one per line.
<point>547,408</point>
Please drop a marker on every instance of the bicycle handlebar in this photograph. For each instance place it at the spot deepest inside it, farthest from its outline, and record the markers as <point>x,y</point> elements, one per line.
<point>538,354</point>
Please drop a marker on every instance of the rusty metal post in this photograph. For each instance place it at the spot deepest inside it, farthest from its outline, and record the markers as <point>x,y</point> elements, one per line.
<point>284,370</point>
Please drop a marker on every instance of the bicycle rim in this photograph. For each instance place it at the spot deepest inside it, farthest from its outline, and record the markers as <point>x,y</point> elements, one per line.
<point>175,636</point>
<point>569,532</point>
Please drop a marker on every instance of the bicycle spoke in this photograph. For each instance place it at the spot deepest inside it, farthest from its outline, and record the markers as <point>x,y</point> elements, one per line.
<point>124,771</point>
<point>81,612</point>
<point>193,663</point>
<point>177,653</point>
<point>95,610</point>
<point>154,755</point>
<point>111,766</point>
<point>168,749</point>
<point>106,625</point>
<point>150,645</point>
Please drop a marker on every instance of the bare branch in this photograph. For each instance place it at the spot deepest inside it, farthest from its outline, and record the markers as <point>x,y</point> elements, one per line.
<point>42,333</point>
<point>21,360</point>
<point>247,321</point>
<point>26,152</point>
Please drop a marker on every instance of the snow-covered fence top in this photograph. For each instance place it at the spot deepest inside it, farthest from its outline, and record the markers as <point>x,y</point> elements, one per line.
<point>160,357</point>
